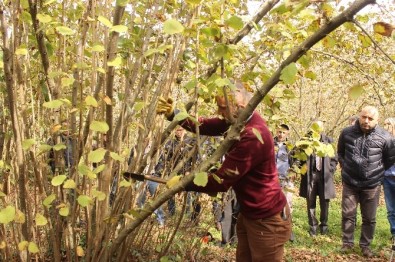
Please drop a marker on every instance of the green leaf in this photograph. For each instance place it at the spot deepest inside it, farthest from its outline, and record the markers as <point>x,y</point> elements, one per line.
<point>97,155</point>
<point>99,126</point>
<point>64,30</point>
<point>116,62</point>
<point>27,143</point>
<point>308,151</point>
<point>235,22</point>
<point>49,2</point>
<point>83,169</point>
<point>104,21</point>
<point>99,169</point>
<point>41,220</point>
<point>54,104</point>
<point>356,91</point>
<point>365,40</point>
<point>64,211</point>
<point>258,135</point>
<point>138,106</point>
<point>116,157</point>
<point>150,52</point>
<point>288,74</point>
<point>7,215</point>
<point>98,194</point>
<point>2,194</point>
<point>70,183</point>
<point>172,26</point>
<point>91,101</point>
<point>311,75</point>
<point>98,48</point>
<point>43,18</point>
<point>201,179</point>
<point>66,81</point>
<point>58,180</point>
<point>119,28</point>
<point>125,183</point>
<point>58,147</point>
<point>33,248</point>
<point>22,245</point>
<point>21,51</point>
<point>48,200</point>
<point>181,116</point>
<point>44,148</point>
<point>194,2</point>
<point>122,3</point>
<point>84,200</point>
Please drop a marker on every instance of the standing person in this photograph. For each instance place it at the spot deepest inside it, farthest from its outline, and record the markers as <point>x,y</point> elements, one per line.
<point>389,182</point>
<point>225,212</point>
<point>318,181</point>
<point>284,161</point>
<point>263,224</point>
<point>62,160</point>
<point>365,151</point>
<point>173,152</point>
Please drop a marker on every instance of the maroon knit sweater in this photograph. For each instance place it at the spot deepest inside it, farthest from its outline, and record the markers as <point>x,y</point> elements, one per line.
<point>249,168</point>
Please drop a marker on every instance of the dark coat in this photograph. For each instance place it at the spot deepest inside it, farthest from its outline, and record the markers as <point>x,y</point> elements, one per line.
<point>328,168</point>
<point>364,156</point>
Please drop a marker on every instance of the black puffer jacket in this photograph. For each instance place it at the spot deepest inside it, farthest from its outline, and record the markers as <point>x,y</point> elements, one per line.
<point>364,157</point>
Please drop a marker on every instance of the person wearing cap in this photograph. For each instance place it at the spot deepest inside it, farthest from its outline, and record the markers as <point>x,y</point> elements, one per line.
<point>319,181</point>
<point>284,162</point>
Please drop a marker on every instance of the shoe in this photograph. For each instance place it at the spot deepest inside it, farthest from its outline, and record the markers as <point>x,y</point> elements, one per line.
<point>347,247</point>
<point>324,231</point>
<point>312,233</point>
<point>366,252</point>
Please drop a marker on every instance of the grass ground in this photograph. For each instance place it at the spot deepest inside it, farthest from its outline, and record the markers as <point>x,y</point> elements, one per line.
<point>324,247</point>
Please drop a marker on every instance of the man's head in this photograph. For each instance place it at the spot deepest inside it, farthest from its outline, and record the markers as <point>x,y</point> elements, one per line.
<point>180,132</point>
<point>236,99</point>
<point>368,118</point>
<point>282,133</point>
<point>389,125</point>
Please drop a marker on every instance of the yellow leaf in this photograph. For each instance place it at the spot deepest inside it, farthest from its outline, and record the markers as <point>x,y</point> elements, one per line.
<point>2,244</point>
<point>33,248</point>
<point>23,245</point>
<point>107,100</point>
<point>19,217</point>
<point>55,128</point>
<point>173,181</point>
<point>80,251</point>
<point>41,220</point>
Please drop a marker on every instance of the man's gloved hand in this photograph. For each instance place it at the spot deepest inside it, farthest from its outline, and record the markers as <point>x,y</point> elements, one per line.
<point>165,107</point>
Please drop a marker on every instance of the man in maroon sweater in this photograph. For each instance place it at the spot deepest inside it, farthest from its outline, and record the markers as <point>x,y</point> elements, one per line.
<point>263,224</point>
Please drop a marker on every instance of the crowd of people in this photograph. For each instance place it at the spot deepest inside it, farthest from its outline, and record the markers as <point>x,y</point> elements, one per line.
<point>255,210</point>
<point>263,187</point>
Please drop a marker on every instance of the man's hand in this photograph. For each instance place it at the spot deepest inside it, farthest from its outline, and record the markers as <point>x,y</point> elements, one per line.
<point>165,107</point>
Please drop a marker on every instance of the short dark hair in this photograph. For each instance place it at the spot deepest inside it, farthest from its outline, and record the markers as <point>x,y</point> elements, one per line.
<point>284,126</point>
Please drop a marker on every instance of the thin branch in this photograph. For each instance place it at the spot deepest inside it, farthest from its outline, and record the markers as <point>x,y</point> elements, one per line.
<point>373,41</point>
<point>352,64</point>
<point>234,131</point>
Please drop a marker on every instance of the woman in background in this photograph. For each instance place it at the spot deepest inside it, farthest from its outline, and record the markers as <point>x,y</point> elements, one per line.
<point>389,182</point>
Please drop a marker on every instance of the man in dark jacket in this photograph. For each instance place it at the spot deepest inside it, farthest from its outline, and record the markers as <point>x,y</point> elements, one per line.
<point>318,181</point>
<point>365,150</point>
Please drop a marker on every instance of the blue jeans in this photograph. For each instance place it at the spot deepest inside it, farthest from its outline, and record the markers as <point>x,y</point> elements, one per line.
<point>389,195</point>
<point>152,186</point>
